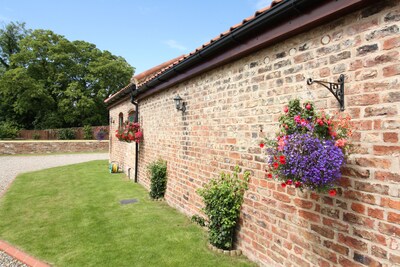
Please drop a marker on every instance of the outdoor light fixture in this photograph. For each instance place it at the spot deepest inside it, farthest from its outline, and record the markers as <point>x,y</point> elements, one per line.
<point>179,104</point>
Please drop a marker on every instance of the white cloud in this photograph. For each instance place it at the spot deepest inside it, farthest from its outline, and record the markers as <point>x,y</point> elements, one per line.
<point>262,3</point>
<point>175,45</point>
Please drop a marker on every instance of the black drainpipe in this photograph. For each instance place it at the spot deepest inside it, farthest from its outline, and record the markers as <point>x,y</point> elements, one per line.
<point>136,119</point>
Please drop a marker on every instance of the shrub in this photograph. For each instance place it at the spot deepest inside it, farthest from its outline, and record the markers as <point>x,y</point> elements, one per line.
<point>87,132</point>
<point>158,178</point>
<point>66,134</point>
<point>223,198</point>
<point>8,130</point>
<point>199,220</point>
<point>36,136</point>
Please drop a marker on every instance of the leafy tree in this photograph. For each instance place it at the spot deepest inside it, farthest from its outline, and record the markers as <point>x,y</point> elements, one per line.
<point>52,82</point>
<point>9,39</point>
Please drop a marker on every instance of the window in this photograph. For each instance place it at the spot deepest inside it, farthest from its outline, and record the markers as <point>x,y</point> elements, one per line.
<point>120,120</point>
<point>131,116</point>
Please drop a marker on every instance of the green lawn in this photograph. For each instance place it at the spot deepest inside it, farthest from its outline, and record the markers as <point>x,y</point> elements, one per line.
<point>71,216</point>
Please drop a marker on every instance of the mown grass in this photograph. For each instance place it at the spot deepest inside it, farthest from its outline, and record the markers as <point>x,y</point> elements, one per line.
<point>71,216</point>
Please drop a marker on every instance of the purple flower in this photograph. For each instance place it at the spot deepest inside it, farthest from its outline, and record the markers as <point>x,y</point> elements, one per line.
<point>314,162</point>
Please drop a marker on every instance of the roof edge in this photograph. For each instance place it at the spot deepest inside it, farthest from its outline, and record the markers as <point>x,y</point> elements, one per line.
<point>318,12</point>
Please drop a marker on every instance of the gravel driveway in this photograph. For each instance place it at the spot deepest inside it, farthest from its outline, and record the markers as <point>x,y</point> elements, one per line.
<point>11,166</point>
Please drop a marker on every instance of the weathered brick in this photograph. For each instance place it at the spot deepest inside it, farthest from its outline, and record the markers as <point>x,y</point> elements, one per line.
<point>364,259</point>
<point>371,236</point>
<point>305,204</point>
<point>335,224</point>
<point>387,176</point>
<point>330,212</point>
<point>337,247</point>
<point>282,63</point>
<point>326,232</point>
<point>326,254</point>
<point>281,197</point>
<point>389,229</point>
<point>353,243</point>
<point>386,31</point>
<point>394,258</point>
<point>380,111</point>
<point>386,150</point>
<point>372,188</point>
<point>309,216</point>
<point>359,208</point>
<point>375,213</point>
<point>391,70</point>
<point>394,217</point>
<point>379,252</point>
<point>391,137</point>
<point>382,59</point>
<point>299,241</point>
<point>355,195</point>
<point>358,219</point>
<point>391,43</point>
<point>303,57</point>
<point>373,162</point>
<point>345,262</point>
<point>390,203</point>
<point>341,56</point>
<point>366,49</point>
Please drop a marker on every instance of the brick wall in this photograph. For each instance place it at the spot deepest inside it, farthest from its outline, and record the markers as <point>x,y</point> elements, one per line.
<point>231,108</point>
<point>42,147</point>
<point>121,152</point>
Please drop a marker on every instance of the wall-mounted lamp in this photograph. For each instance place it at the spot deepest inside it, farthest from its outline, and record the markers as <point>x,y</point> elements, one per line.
<point>179,104</point>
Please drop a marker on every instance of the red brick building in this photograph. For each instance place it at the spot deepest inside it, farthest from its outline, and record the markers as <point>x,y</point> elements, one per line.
<point>234,89</point>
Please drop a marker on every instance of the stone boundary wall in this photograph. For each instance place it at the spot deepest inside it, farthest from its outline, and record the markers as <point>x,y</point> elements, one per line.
<point>230,109</point>
<point>52,134</point>
<point>43,147</point>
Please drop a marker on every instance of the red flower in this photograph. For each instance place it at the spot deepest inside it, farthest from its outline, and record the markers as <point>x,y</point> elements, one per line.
<point>289,182</point>
<point>320,122</point>
<point>283,185</point>
<point>286,109</point>
<point>282,159</point>
<point>332,192</point>
<point>297,184</point>
<point>276,165</point>
<point>261,145</point>
<point>269,175</point>
<point>308,106</point>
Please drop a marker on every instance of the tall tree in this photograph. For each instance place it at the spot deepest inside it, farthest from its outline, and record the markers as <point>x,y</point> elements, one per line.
<point>10,36</point>
<point>52,82</point>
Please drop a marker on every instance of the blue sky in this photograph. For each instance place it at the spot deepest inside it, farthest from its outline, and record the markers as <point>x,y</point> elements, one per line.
<point>146,33</point>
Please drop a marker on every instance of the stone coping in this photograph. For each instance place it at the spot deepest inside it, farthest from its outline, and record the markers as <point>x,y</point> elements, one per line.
<point>234,252</point>
<point>21,256</point>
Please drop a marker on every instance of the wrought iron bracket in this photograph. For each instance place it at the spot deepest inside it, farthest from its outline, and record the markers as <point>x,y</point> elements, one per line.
<point>337,89</point>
